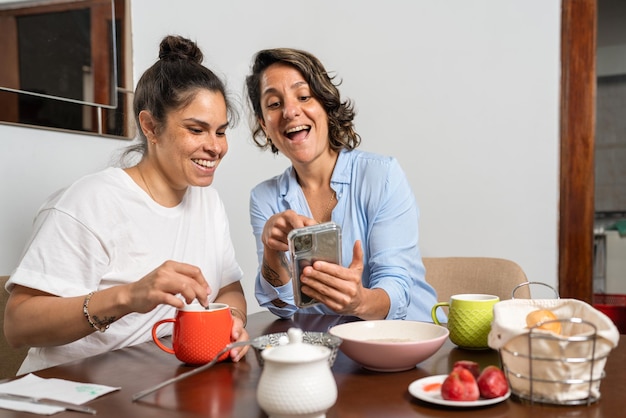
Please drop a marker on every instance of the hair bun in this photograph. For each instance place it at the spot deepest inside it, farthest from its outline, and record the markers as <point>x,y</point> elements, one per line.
<point>174,48</point>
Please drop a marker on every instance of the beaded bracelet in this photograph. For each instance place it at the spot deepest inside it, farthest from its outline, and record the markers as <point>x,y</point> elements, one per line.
<point>88,317</point>
<point>239,313</point>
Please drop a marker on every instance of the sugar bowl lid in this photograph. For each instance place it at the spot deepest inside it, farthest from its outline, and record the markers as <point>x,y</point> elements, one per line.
<point>292,349</point>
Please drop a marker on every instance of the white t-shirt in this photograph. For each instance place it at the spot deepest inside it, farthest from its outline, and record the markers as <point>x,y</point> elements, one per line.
<point>104,230</point>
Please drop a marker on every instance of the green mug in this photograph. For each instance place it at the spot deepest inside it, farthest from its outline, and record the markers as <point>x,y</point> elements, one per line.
<point>469,319</point>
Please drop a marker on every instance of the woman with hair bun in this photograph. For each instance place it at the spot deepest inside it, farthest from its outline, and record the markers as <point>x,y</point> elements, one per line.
<point>120,249</point>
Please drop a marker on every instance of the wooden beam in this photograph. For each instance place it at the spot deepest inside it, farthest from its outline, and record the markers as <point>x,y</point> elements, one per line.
<point>9,70</point>
<point>578,87</point>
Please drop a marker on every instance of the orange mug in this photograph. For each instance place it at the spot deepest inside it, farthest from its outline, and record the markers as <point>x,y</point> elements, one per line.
<point>199,333</point>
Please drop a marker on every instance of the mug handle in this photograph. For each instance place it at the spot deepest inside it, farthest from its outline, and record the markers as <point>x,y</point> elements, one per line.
<point>156,339</point>
<point>433,312</point>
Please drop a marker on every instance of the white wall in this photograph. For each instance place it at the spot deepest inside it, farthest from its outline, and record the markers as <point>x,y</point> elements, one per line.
<point>33,164</point>
<point>464,93</point>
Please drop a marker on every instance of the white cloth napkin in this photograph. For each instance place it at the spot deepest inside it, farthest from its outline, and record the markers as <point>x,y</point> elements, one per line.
<point>510,318</point>
<point>58,389</point>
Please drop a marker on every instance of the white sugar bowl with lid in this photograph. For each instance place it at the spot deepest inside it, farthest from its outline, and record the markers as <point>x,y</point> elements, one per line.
<point>296,380</point>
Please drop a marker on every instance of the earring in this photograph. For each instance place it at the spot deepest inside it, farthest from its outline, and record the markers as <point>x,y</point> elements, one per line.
<point>150,137</point>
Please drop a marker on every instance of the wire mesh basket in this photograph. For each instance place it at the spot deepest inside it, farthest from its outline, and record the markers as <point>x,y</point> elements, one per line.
<point>542,366</point>
<point>575,357</point>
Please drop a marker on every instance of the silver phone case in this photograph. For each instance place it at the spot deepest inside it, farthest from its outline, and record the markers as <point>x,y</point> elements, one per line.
<point>310,244</point>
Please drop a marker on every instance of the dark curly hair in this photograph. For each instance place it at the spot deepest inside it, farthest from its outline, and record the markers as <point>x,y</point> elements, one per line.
<point>340,114</point>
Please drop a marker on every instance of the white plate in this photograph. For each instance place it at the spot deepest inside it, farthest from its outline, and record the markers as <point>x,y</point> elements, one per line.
<point>417,389</point>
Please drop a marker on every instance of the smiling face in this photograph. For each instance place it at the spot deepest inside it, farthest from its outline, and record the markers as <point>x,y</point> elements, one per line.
<point>295,121</point>
<point>192,142</point>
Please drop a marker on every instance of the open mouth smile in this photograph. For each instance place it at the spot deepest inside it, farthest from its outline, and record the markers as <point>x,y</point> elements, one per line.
<point>205,163</point>
<point>297,131</point>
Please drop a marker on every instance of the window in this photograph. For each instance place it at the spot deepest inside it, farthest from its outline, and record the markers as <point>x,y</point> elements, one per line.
<point>67,65</point>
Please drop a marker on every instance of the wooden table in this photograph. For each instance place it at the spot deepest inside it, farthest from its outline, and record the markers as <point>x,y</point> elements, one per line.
<point>229,389</point>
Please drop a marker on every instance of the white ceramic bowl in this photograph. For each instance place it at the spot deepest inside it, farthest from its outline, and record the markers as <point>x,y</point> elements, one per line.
<point>389,345</point>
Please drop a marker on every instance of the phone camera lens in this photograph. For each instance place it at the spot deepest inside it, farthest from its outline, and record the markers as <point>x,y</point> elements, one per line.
<point>303,243</point>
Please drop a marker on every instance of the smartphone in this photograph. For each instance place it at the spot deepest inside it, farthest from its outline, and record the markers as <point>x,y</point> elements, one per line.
<point>308,245</point>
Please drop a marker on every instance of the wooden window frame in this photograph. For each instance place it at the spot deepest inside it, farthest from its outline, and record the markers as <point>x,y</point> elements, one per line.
<point>105,95</point>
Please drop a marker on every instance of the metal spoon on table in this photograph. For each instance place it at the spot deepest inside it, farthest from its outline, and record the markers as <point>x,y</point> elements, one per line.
<point>197,370</point>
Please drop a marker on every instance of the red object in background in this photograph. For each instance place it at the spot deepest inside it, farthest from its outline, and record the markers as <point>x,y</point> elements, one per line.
<point>613,306</point>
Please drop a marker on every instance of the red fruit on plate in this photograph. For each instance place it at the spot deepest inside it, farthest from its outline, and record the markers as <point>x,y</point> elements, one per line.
<point>472,366</point>
<point>460,385</point>
<point>492,383</point>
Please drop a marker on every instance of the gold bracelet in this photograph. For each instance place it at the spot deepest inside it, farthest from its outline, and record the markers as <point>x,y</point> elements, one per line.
<point>238,312</point>
<point>88,316</point>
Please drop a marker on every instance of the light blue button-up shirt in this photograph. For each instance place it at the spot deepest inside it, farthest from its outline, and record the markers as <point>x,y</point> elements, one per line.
<point>375,204</point>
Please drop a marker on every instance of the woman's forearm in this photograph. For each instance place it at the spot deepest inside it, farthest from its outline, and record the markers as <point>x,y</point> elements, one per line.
<point>38,319</point>
<point>275,269</point>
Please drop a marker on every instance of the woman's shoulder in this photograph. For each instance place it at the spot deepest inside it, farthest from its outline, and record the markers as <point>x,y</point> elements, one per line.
<point>368,162</point>
<point>91,188</point>
<point>368,157</point>
<point>109,175</point>
<point>278,183</point>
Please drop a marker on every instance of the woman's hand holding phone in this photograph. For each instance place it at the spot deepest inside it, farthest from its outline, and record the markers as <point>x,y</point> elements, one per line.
<point>321,242</point>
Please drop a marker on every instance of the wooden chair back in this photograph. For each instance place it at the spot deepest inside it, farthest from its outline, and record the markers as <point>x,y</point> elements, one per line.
<point>10,358</point>
<point>456,275</point>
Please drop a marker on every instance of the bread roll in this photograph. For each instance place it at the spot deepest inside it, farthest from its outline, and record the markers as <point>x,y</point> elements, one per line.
<point>541,315</point>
